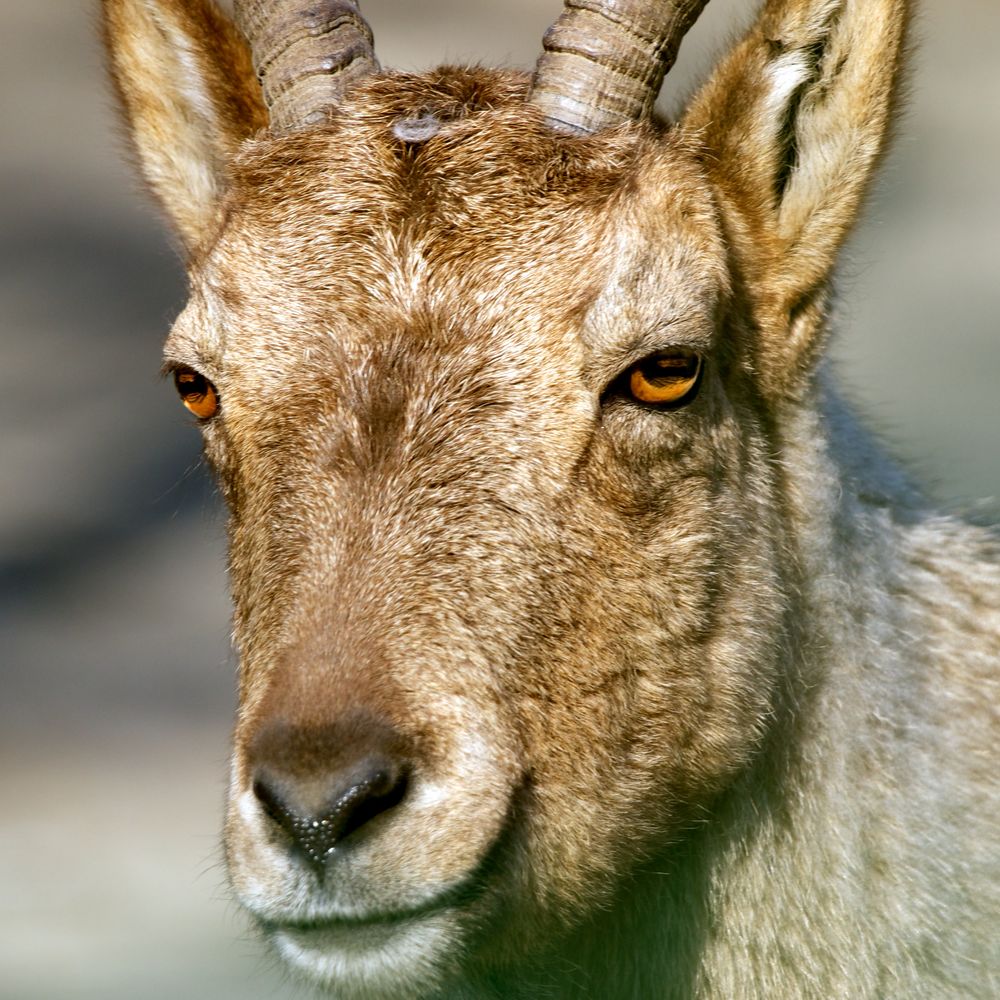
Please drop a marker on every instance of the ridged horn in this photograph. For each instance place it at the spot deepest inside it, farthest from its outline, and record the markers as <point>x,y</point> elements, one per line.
<point>307,53</point>
<point>604,60</point>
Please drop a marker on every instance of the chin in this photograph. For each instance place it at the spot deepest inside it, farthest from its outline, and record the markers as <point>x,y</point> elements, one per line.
<point>393,959</point>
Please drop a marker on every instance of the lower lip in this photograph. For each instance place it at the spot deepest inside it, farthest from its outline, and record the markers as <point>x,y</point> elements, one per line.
<point>401,957</point>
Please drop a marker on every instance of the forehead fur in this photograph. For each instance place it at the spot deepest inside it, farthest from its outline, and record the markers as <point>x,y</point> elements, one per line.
<point>486,216</point>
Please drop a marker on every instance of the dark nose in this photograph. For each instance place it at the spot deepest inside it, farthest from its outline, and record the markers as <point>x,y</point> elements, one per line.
<point>320,784</point>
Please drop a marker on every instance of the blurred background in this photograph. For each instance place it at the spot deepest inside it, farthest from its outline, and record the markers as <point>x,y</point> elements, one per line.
<point>116,679</point>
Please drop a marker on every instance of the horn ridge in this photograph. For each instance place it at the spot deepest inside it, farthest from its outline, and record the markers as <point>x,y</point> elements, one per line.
<point>307,54</point>
<point>604,60</point>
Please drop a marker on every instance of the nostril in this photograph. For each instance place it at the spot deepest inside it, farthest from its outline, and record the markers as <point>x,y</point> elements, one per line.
<point>319,814</point>
<point>382,789</point>
<point>272,802</point>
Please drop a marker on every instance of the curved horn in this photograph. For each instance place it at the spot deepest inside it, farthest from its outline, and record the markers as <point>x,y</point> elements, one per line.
<point>605,60</point>
<point>306,53</point>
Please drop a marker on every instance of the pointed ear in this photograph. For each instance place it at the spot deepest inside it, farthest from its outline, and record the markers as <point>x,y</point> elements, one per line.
<point>791,127</point>
<point>190,97</point>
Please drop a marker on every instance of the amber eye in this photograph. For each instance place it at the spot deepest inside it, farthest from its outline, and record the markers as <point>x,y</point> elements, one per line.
<point>667,378</point>
<point>196,392</point>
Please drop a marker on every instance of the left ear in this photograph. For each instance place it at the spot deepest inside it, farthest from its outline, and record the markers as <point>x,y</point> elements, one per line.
<point>791,127</point>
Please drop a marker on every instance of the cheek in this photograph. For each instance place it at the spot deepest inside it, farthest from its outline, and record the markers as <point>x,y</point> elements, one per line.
<point>648,695</point>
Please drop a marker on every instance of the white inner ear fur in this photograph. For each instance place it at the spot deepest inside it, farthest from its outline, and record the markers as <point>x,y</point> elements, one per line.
<point>166,83</point>
<point>197,158</point>
<point>787,74</point>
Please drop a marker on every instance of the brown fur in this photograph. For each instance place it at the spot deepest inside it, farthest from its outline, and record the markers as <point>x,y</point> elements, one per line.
<point>665,679</point>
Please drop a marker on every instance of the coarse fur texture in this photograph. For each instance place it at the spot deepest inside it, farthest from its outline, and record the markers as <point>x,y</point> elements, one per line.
<point>693,703</point>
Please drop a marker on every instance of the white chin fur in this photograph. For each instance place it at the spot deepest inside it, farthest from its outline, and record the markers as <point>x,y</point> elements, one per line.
<point>390,961</point>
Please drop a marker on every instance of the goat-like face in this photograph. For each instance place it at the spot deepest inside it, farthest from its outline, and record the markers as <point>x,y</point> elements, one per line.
<point>460,548</point>
<point>499,413</point>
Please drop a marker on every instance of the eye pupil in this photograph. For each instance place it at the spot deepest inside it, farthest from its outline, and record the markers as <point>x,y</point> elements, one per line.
<point>196,392</point>
<point>667,379</point>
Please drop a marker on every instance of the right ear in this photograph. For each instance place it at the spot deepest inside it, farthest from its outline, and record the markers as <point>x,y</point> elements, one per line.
<point>190,98</point>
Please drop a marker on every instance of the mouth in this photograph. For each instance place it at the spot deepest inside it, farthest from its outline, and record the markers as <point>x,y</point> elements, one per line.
<point>341,926</point>
<point>351,932</point>
<point>389,956</point>
<point>388,953</point>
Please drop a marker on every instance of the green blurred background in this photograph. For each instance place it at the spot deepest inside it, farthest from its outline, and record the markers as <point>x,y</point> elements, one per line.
<point>116,679</point>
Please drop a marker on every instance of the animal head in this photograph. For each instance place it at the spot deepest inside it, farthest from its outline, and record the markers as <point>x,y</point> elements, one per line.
<point>496,374</point>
